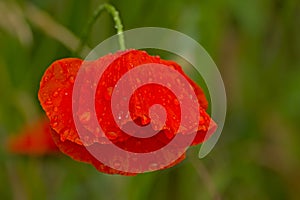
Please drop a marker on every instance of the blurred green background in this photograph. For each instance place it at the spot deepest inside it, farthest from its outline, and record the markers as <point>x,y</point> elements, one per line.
<point>256,46</point>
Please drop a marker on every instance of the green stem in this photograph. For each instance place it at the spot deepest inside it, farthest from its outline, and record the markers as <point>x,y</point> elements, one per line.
<point>118,25</point>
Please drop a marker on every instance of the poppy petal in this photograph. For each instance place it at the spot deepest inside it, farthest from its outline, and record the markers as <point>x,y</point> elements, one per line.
<point>81,154</point>
<point>56,93</point>
<point>55,96</point>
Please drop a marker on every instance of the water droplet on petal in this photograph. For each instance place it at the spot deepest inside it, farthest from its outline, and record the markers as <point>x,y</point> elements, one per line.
<point>108,93</point>
<point>71,79</point>
<point>46,78</point>
<point>153,166</point>
<point>54,124</point>
<point>145,120</point>
<point>85,117</point>
<point>49,102</point>
<point>112,135</point>
<point>55,109</point>
<point>169,134</point>
<point>78,141</point>
<point>117,164</point>
<point>55,94</point>
<point>138,107</point>
<point>201,119</point>
<point>176,102</point>
<point>86,138</point>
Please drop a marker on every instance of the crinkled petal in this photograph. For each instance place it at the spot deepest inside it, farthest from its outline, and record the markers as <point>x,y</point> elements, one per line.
<point>56,91</point>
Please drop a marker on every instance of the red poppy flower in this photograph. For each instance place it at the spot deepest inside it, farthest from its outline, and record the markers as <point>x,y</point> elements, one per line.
<point>56,93</point>
<point>33,140</point>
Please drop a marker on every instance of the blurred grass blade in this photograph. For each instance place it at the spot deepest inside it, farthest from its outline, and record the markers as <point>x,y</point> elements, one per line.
<point>12,21</point>
<point>49,26</point>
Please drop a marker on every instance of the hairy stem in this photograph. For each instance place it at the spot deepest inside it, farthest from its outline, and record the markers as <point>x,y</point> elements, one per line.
<point>118,25</point>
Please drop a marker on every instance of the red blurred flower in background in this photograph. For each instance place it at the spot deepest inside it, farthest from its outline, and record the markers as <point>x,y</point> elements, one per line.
<point>34,139</point>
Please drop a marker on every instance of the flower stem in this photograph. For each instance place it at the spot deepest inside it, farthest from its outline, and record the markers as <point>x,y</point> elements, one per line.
<point>118,25</point>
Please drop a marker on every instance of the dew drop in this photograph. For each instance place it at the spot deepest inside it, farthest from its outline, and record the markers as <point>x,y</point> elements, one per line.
<point>55,94</point>
<point>172,66</point>
<point>54,124</point>
<point>169,134</point>
<point>117,164</point>
<point>201,119</point>
<point>86,138</point>
<point>112,135</point>
<point>85,117</point>
<point>55,109</point>
<point>176,102</point>
<point>49,102</point>
<point>71,79</point>
<point>153,166</point>
<point>62,138</point>
<point>78,141</point>
<point>46,78</point>
<point>138,107</point>
<point>108,93</point>
<point>145,120</point>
